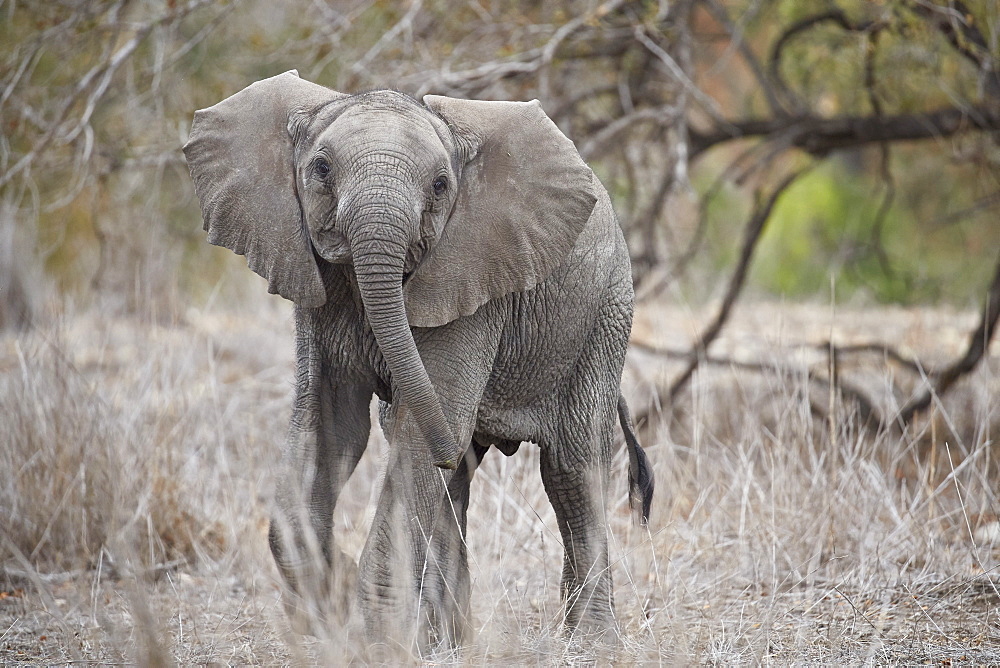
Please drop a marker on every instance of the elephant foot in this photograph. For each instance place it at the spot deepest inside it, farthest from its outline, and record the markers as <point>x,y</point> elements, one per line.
<point>319,598</point>
<point>589,621</point>
<point>443,633</point>
<point>304,618</point>
<point>593,633</point>
<point>403,628</point>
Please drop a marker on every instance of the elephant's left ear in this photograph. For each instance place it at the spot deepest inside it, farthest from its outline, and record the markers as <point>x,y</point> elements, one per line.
<point>525,195</point>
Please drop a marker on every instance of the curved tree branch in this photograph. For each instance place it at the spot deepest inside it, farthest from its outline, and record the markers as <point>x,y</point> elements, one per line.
<point>979,343</point>
<point>774,62</point>
<point>751,235</point>
<point>866,409</point>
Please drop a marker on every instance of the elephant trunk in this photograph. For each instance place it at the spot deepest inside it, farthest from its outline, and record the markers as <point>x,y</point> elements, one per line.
<point>378,265</point>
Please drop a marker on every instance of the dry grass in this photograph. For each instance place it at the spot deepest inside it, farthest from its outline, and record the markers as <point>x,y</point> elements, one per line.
<point>136,460</point>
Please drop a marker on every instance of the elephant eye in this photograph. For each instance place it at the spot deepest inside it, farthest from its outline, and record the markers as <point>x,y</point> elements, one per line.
<point>440,185</point>
<point>321,167</point>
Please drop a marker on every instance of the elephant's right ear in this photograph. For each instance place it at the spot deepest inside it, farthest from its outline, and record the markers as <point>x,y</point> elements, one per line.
<point>240,154</point>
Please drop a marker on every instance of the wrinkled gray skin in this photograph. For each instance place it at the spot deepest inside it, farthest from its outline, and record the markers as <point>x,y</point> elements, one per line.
<point>459,261</point>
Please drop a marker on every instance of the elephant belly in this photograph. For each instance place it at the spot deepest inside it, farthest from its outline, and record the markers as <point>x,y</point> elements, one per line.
<point>552,337</point>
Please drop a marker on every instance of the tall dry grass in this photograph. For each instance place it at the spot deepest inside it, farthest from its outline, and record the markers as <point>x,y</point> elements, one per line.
<point>137,459</point>
<point>128,433</point>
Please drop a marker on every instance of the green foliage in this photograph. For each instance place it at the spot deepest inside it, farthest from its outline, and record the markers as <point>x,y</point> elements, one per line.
<point>822,235</point>
<point>937,238</point>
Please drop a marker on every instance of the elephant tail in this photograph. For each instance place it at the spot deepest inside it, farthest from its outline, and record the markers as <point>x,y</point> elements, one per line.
<point>640,474</point>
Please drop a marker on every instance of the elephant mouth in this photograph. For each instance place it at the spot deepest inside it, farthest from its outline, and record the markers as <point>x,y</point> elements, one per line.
<point>406,276</point>
<point>332,245</point>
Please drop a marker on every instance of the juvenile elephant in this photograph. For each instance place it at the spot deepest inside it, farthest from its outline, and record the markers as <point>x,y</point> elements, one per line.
<point>460,261</point>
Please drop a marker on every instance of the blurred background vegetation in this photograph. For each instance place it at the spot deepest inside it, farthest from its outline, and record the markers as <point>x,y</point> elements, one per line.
<point>693,112</point>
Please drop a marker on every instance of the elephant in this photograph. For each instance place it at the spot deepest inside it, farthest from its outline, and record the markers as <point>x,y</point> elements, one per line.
<point>460,261</point>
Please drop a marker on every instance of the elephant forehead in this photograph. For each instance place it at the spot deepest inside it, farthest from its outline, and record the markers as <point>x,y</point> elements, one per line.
<point>405,135</point>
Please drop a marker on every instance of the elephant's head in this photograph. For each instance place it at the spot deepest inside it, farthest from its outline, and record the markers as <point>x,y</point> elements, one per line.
<point>440,208</point>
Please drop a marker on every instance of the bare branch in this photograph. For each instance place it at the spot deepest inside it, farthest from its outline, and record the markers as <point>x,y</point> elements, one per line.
<point>964,36</point>
<point>983,203</point>
<point>710,106</point>
<point>750,161</point>
<point>571,103</point>
<point>749,57</point>
<point>567,29</point>
<point>884,349</point>
<point>979,343</point>
<point>867,412</point>
<point>777,51</point>
<point>751,235</point>
<point>404,24</point>
<point>471,80</point>
<point>102,73</point>
<point>533,61</point>
<point>819,136</point>
<point>662,116</point>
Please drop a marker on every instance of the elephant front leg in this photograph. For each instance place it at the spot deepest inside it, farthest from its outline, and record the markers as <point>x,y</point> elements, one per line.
<point>328,435</point>
<point>414,573</point>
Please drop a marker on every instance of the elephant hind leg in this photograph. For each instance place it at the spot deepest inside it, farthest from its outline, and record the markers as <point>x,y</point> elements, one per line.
<point>576,475</point>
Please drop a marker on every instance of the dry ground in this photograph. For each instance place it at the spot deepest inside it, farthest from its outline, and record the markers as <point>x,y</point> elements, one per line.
<point>136,467</point>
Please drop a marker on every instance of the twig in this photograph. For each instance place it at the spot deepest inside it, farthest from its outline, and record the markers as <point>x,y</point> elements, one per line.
<point>574,101</point>
<point>43,592</point>
<point>865,406</point>
<point>25,577</point>
<point>953,21</point>
<point>662,116</point>
<point>857,610</point>
<point>567,29</point>
<point>388,37</point>
<point>881,348</point>
<point>102,74</point>
<point>470,82</point>
<point>20,578</point>
<point>981,204</point>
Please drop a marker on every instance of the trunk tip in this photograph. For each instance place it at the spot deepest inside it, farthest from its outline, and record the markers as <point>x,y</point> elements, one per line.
<point>447,464</point>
